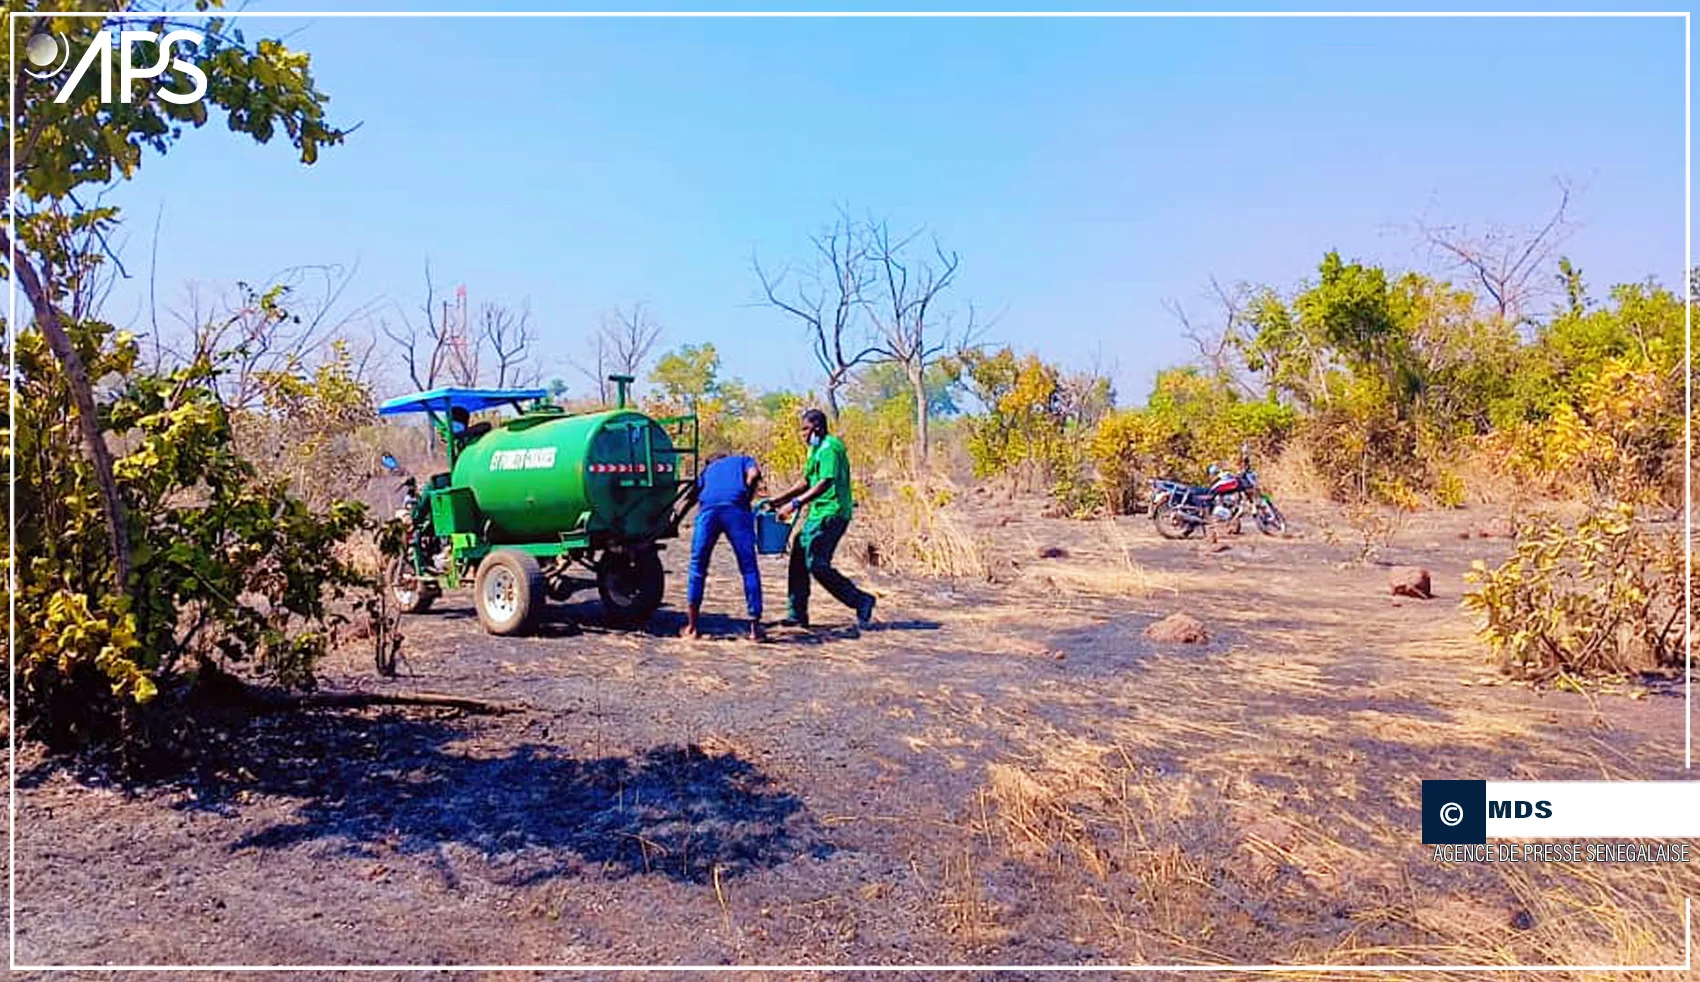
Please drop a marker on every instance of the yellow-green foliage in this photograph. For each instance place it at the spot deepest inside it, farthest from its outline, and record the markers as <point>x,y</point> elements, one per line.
<point>227,565</point>
<point>880,439</point>
<point>768,431</point>
<point>1117,452</point>
<point>1362,447</point>
<point>311,428</point>
<point>1604,596</point>
<point>1190,420</point>
<point>1595,403</point>
<point>1618,435</point>
<point>1023,419</point>
<point>1449,490</point>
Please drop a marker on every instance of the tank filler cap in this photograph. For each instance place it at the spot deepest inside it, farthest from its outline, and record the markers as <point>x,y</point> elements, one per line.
<point>621,382</point>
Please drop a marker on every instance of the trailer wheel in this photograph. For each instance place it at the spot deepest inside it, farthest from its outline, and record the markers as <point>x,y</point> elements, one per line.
<point>508,592</point>
<point>410,593</point>
<point>631,584</point>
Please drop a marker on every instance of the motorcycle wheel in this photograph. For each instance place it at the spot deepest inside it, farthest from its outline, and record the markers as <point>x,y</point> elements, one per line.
<point>1270,520</point>
<point>411,594</point>
<point>1170,524</point>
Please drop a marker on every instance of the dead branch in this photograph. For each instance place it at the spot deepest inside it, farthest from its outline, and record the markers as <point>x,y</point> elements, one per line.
<point>1504,261</point>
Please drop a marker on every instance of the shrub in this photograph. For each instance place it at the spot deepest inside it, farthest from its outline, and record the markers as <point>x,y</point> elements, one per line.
<point>227,566</point>
<point>1116,451</point>
<point>1604,596</point>
<point>1190,421</point>
<point>1024,418</point>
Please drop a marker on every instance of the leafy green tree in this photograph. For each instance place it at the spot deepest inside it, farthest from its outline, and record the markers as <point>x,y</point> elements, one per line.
<point>61,148</point>
<point>1353,309</point>
<point>877,384</point>
<point>688,375</point>
<point>151,541</point>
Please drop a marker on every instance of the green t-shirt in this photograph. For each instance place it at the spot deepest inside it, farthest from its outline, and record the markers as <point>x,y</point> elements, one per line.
<point>829,462</point>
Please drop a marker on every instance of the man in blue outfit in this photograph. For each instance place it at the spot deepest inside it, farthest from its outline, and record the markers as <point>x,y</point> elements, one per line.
<point>724,490</point>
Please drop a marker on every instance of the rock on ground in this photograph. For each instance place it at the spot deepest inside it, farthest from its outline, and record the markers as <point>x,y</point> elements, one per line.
<point>1411,581</point>
<point>1178,629</point>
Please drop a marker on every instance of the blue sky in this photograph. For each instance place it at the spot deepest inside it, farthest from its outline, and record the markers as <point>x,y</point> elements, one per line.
<point>1086,170</point>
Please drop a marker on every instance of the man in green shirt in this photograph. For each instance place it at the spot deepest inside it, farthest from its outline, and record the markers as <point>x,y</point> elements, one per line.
<point>825,489</point>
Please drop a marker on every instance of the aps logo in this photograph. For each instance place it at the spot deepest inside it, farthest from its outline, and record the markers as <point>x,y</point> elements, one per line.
<point>49,54</point>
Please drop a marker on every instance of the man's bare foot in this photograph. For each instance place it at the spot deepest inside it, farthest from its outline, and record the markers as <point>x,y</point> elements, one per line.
<point>756,633</point>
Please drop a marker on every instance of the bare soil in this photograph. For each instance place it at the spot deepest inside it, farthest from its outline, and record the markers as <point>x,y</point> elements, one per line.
<point>1003,773</point>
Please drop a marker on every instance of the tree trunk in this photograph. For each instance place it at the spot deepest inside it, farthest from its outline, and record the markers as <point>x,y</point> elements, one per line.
<point>833,384</point>
<point>82,399</point>
<point>918,382</point>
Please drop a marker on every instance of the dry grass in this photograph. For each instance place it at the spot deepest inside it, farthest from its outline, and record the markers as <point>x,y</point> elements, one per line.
<point>1107,566</point>
<point>1291,476</point>
<point>1153,888</point>
<point>910,526</point>
<point>1370,528</point>
<point>362,553</point>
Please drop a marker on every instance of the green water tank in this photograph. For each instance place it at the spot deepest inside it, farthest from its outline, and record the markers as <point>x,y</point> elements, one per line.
<point>610,475</point>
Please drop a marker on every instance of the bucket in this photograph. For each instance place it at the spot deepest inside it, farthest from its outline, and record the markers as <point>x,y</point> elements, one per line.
<point>771,534</point>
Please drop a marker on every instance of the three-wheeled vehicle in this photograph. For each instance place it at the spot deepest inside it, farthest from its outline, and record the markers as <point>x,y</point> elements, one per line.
<point>531,502</point>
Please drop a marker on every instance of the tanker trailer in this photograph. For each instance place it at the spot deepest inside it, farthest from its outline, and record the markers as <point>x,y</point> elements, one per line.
<point>530,503</point>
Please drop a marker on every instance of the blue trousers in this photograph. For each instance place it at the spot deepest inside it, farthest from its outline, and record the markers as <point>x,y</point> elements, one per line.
<point>739,527</point>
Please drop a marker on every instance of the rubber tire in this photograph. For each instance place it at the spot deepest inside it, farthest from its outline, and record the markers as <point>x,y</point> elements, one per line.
<point>423,597</point>
<point>1167,529</point>
<point>629,608</point>
<point>532,591</point>
<point>1275,527</point>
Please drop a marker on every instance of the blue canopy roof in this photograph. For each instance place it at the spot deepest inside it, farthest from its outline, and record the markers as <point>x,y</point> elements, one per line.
<point>442,400</point>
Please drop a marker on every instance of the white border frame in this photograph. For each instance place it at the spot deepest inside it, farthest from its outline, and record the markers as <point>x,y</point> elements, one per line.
<point>1685,965</point>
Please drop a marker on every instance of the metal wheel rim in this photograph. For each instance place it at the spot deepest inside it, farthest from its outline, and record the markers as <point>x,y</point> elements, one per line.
<point>404,594</point>
<point>501,594</point>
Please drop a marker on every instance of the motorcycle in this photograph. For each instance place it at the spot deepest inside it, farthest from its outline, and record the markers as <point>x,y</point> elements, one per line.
<point>412,591</point>
<point>1178,509</point>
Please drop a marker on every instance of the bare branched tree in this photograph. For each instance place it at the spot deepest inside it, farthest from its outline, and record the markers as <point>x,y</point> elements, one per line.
<point>289,324</point>
<point>909,329</point>
<point>828,297</point>
<point>421,345</point>
<point>1089,394</point>
<point>510,337</point>
<point>442,348</point>
<point>621,345</point>
<point>1506,261</point>
<point>1221,341</point>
